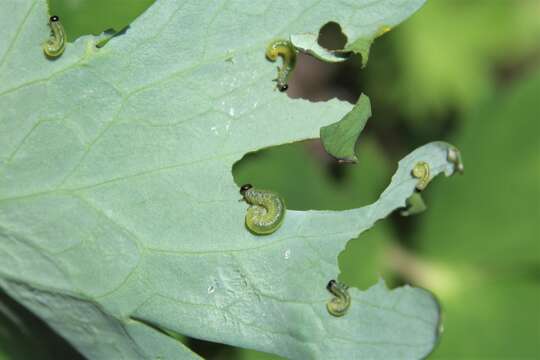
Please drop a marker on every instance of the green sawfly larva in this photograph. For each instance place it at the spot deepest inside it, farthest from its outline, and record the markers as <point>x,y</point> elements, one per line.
<point>454,157</point>
<point>56,44</point>
<point>285,49</point>
<point>340,303</point>
<point>266,211</point>
<point>421,172</point>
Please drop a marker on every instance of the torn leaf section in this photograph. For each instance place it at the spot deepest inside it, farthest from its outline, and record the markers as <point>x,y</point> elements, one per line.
<point>339,139</point>
<point>308,43</point>
<point>107,35</point>
<point>415,205</point>
<point>362,47</point>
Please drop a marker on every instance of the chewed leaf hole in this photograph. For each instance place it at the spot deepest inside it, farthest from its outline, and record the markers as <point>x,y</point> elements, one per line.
<point>331,36</point>
<point>365,259</point>
<point>309,179</point>
<point>96,17</point>
<point>316,80</point>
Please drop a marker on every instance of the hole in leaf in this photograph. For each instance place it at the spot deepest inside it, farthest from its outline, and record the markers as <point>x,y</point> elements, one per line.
<point>332,37</point>
<point>308,178</point>
<point>316,80</point>
<point>96,16</point>
<point>365,258</point>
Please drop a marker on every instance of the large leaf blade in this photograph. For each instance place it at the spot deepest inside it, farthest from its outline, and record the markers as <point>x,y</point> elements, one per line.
<point>116,192</point>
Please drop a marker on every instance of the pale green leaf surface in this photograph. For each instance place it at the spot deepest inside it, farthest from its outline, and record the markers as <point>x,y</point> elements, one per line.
<point>118,211</point>
<point>308,43</point>
<point>360,21</point>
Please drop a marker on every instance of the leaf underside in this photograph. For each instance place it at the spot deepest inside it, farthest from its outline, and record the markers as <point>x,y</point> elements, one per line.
<point>119,215</point>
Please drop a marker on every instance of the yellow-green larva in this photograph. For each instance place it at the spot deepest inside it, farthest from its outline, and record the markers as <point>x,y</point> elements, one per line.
<point>454,156</point>
<point>56,44</point>
<point>340,303</point>
<point>285,49</point>
<point>266,212</point>
<point>421,172</point>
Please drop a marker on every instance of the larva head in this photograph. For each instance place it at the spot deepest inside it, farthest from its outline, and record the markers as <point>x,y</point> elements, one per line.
<point>331,285</point>
<point>54,18</point>
<point>282,87</point>
<point>245,188</point>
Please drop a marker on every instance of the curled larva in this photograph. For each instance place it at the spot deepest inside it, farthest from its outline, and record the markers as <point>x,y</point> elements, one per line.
<point>454,156</point>
<point>54,47</point>
<point>285,49</point>
<point>266,212</point>
<point>340,303</point>
<point>421,172</point>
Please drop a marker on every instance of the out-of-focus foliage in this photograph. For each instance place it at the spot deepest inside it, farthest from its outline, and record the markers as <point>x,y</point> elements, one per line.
<point>445,56</point>
<point>483,230</point>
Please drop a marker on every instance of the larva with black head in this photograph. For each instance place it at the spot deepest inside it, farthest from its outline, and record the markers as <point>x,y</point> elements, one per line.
<point>56,43</point>
<point>266,211</point>
<point>340,303</point>
<point>285,50</point>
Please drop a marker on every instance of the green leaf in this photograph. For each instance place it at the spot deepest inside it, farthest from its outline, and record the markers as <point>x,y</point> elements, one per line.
<point>339,139</point>
<point>119,217</point>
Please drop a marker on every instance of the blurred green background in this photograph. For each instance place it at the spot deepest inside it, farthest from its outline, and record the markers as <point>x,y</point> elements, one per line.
<point>463,71</point>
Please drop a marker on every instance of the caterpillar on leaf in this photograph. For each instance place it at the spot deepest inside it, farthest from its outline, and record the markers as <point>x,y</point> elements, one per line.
<point>266,211</point>
<point>287,52</point>
<point>340,303</point>
<point>56,44</point>
<point>421,172</point>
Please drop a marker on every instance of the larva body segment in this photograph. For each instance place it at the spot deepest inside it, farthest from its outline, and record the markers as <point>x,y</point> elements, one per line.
<point>267,210</point>
<point>422,173</point>
<point>285,49</point>
<point>56,44</point>
<point>340,303</point>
